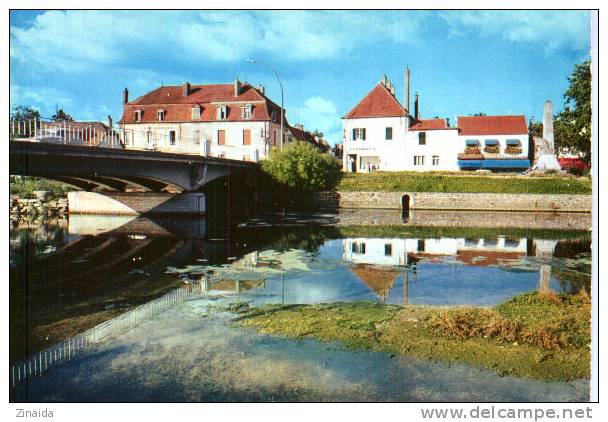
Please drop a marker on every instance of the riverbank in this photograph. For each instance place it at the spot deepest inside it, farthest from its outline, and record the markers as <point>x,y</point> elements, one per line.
<point>438,201</point>
<point>464,183</point>
<point>545,337</point>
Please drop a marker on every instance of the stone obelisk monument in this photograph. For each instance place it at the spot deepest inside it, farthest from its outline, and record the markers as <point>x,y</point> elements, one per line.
<point>545,146</point>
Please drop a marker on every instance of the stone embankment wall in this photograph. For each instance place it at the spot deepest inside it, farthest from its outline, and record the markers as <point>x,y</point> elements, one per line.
<point>136,203</point>
<point>42,206</point>
<point>454,201</point>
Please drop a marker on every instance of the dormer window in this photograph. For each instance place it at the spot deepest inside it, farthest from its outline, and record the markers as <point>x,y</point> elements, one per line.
<point>137,115</point>
<point>247,112</point>
<point>221,112</point>
<point>196,112</point>
<point>160,114</point>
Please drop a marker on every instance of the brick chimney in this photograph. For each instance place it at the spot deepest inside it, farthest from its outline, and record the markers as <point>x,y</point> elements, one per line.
<point>186,87</point>
<point>237,87</point>
<point>125,96</point>
<point>110,121</point>
<point>416,110</point>
<point>261,89</point>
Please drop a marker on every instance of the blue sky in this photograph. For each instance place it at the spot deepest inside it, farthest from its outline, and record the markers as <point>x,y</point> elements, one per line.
<point>461,62</point>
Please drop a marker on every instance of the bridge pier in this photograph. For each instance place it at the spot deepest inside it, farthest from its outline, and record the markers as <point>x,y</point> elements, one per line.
<point>136,203</point>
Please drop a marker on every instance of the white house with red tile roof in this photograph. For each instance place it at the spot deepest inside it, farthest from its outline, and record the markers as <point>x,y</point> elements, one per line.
<point>381,134</point>
<point>235,121</point>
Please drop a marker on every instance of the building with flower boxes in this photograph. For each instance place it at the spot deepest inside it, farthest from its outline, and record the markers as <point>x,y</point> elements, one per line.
<point>381,134</point>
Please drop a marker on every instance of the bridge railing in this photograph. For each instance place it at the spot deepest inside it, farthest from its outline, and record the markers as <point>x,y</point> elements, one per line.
<point>65,132</point>
<point>98,134</point>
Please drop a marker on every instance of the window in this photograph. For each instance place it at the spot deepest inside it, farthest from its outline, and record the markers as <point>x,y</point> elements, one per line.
<point>221,137</point>
<point>246,137</point>
<point>160,115</point>
<point>127,138</point>
<point>137,116</point>
<point>359,134</point>
<point>171,137</point>
<point>221,113</point>
<point>435,160</point>
<point>247,112</point>
<point>418,160</point>
<point>196,112</point>
<point>421,138</point>
<point>389,133</point>
<point>421,245</point>
<point>197,137</point>
<point>358,248</point>
<point>388,249</point>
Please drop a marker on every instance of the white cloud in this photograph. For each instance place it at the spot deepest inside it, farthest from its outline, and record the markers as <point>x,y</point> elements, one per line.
<point>41,98</point>
<point>78,40</point>
<point>553,29</point>
<point>319,113</point>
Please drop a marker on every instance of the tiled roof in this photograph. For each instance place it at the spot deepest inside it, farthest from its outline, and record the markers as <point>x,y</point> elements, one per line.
<point>492,125</point>
<point>429,124</point>
<point>178,107</point>
<point>378,103</point>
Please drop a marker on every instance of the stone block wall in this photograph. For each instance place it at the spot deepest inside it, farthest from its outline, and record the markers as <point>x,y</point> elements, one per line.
<point>454,201</point>
<point>135,203</point>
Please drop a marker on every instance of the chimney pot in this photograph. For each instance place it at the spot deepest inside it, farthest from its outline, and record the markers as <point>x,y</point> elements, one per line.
<point>125,96</point>
<point>186,89</point>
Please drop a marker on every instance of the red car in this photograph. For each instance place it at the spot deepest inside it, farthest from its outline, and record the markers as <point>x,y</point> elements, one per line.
<point>572,162</point>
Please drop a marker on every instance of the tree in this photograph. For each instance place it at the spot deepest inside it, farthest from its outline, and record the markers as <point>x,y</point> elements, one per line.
<point>62,116</point>
<point>572,126</point>
<point>302,167</point>
<point>21,112</point>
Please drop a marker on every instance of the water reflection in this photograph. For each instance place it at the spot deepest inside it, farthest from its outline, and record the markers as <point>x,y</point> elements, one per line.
<point>67,276</point>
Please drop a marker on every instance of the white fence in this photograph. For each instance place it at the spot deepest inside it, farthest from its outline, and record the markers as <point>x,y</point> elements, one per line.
<point>46,359</point>
<point>65,132</point>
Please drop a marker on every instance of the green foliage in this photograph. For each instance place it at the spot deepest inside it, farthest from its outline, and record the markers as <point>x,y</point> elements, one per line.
<point>572,126</point>
<point>301,167</point>
<point>24,187</point>
<point>448,182</point>
<point>21,112</point>
<point>62,116</point>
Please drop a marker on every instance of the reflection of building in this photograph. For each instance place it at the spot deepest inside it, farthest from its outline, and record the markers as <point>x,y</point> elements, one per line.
<point>402,252</point>
<point>379,279</point>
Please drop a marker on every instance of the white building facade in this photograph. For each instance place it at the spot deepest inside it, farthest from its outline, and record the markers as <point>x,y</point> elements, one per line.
<point>234,121</point>
<point>381,135</point>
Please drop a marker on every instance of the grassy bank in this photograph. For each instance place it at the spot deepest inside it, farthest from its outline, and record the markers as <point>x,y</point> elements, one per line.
<point>24,187</point>
<point>470,183</point>
<point>533,336</point>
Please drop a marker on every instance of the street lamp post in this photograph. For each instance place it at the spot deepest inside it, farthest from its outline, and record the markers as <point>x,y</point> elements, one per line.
<point>253,61</point>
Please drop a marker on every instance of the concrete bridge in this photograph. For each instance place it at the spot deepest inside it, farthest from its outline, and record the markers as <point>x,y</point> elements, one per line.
<point>91,157</point>
<point>90,167</point>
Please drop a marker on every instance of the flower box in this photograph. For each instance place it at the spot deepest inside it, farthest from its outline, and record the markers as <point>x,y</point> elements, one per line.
<point>491,149</point>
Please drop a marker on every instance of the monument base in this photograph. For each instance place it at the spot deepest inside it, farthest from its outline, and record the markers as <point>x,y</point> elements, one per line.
<point>547,162</point>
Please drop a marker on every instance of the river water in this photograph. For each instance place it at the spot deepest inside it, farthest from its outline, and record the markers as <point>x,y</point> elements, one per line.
<point>70,275</point>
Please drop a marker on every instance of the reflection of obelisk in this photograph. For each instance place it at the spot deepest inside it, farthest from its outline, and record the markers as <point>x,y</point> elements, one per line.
<point>545,146</point>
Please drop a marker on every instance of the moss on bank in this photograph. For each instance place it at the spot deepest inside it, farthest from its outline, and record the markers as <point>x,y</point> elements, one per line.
<point>458,182</point>
<point>533,336</point>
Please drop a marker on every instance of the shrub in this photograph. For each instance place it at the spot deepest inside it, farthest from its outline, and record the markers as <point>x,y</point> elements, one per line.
<point>24,187</point>
<point>302,167</point>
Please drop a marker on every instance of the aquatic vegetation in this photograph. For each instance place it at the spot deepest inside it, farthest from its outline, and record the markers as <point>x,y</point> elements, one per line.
<point>531,335</point>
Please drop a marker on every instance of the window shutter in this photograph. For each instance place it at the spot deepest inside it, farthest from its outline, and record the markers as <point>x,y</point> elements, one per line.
<point>354,134</point>
<point>364,134</point>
